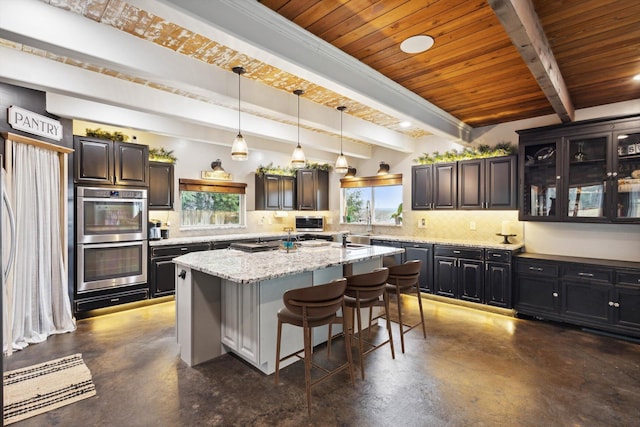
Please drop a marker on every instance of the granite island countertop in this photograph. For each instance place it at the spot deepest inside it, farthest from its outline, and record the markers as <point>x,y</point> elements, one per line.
<point>251,267</point>
<point>232,237</point>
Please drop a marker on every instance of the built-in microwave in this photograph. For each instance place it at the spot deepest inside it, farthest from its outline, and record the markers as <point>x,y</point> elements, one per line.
<point>309,223</point>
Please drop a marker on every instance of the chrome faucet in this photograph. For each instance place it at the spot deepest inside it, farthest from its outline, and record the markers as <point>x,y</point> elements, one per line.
<point>369,225</point>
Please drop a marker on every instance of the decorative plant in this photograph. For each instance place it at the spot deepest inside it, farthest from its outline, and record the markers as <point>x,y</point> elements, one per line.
<point>161,155</point>
<point>270,169</point>
<point>114,136</point>
<point>319,166</point>
<point>397,216</point>
<point>482,151</point>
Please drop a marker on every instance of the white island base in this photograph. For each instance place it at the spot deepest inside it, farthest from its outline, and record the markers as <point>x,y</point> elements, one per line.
<point>215,315</point>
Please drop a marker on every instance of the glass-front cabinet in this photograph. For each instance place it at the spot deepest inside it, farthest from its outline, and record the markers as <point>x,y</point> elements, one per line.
<point>626,176</point>
<point>581,172</point>
<point>541,176</point>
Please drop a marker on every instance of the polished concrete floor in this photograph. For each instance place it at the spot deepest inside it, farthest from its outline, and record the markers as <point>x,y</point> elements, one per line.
<point>474,369</point>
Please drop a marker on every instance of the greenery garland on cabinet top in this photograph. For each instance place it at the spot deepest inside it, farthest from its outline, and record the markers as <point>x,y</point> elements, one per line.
<point>481,152</point>
<point>270,169</point>
<point>161,155</point>
<point>103,134</point>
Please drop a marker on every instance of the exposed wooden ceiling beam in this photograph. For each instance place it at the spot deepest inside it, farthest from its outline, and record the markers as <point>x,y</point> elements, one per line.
<point>519,19</point>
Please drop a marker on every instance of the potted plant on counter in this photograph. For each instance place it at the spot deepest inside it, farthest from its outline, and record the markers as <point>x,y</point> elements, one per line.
<point>397,216</point>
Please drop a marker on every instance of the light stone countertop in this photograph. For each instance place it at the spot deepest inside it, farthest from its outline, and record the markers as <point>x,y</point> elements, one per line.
<point>246,267</point>
<point>493,244</point>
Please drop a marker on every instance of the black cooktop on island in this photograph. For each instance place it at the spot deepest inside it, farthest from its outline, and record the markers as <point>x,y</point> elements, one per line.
<point>255,247</point>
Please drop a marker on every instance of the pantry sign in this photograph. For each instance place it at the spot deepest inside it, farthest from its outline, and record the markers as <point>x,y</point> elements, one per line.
<point>30,122</point>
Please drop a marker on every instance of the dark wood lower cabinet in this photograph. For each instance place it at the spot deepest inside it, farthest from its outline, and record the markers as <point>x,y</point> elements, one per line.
<point>594,293</point>
<point>497,284</point>
<point>162,281</point>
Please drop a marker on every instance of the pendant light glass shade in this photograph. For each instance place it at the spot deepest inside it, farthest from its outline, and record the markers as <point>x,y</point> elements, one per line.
<point>342,165</point>
<point>239,149</point>
<point>297,158</point>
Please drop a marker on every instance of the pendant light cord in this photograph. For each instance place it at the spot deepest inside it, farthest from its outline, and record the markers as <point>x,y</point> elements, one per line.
<point>239,104</point>
<point>298,119</point>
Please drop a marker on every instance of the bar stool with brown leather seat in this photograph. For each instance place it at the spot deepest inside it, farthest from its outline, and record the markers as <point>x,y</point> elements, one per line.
<point>309,308</point>
<point>367,290</point>
<point>403,278</point>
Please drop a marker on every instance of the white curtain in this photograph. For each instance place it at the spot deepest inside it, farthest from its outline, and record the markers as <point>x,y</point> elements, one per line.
<point>38,291</point>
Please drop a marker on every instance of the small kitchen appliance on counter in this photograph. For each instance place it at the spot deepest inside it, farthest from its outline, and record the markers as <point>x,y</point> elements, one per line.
<point>154,230</point>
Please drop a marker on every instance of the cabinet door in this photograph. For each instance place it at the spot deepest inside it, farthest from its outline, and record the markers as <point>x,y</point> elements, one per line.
<point>388,260</point>
<point>585,301</point>
<point>626,307</point>
<point>471,184</point>
<point>160,186</point>
<point>444,276</point>
<point>287,193</point>
<point>272,192</point>
<point>422,187</point>
<point>625,180</point>
<point>586,159</point>
<point>470,280</point>
<point>540,181</point>
<point>536,295</point>
<point>444,186</point>
<point>131,164</point>
<point>162,280</point>
<point>93,160</point>
<point>497,284</point>
<point>501,183</point>
<point>423,253</point>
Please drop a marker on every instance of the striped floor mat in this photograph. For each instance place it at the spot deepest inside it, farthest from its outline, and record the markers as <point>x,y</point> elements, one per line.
<point>40,388</point>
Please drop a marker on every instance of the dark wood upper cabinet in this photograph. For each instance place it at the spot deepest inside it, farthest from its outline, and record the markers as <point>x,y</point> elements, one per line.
<point>100,161</point>
<point>433,186</point>
<point>160,185</point>
<point>275,192</point>
<point>487,183</point>
<point>581,172</point>
<point>313,190</point>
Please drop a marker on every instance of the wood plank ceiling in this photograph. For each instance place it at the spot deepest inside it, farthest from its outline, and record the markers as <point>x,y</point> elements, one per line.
<point>474,71</point>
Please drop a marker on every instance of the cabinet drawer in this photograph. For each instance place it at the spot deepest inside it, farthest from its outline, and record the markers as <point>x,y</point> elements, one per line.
<point>586,272</point>
<point>459,252</point>
<point>497,255</point>
<point>537,268</point>
<point>111,300</point>
<point>628,278</point>
<point>158,251</point>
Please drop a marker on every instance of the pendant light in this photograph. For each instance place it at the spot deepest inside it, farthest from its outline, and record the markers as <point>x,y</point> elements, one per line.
<point>239,149</point>
<point>297,158</point>
<point>342,166</point>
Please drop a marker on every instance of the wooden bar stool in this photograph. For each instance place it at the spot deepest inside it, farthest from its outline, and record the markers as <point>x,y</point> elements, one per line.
<point>367,290</point>
<point>308,308</point>
<point>403,278</point>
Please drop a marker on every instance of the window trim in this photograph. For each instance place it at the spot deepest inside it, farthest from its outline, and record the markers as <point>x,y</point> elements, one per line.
<point>211,186</point>
<point>372,181</point>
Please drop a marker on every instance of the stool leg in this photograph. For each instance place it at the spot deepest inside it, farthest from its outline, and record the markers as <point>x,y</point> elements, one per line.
<point>347,346</point>
<point>307,365</point>
<point>424,329</point>
<point>278,350</point>
<point>385,297</point>
<point>398,302</point>
<point>360,349</point>
<point>329,339</point>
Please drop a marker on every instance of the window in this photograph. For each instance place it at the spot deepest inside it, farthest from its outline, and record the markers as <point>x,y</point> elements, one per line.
<point>211,204</point>
<point>374,199</point>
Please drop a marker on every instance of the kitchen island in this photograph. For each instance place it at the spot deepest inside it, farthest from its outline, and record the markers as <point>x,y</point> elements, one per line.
<point>227,300</point>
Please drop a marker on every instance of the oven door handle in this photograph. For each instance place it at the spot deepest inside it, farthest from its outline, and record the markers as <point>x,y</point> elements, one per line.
<point>113,244</point>
<point>106,199</point>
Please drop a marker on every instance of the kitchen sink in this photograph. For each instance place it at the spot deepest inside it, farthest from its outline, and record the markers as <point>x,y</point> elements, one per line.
<point>360,239</point>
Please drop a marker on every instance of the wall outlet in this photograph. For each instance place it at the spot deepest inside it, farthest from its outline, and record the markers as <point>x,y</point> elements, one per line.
<point>261,221</point>
<point>422,223</point>
<point>472,225</point>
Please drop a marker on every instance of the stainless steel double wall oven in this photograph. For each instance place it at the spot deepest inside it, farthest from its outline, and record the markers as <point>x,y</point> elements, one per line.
<point>111,238</point>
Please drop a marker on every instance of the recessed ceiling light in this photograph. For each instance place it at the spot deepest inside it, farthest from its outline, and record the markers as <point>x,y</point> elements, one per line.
<point>416,44</point>
<point>636,77</point>
<point>405,124</point>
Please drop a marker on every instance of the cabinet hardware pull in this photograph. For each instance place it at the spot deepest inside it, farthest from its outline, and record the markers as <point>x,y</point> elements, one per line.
<point>609,174</point>
<point>114,299</point>
<point>616,304</point>
<point>497,255</point>
<point>184,249</point>
<point>614,174</point>
<point>555,294</point>
<point>585,274</point>
<point>610,303</point>
<point>182,274</point>
<point>456,252</point>
<point>535,268</point>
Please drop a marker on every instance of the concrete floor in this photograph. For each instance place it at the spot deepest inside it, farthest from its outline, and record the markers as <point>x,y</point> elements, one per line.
<point>474,369</point>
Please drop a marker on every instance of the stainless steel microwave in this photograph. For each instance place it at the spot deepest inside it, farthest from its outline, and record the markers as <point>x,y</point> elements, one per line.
<point>309,223</point>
